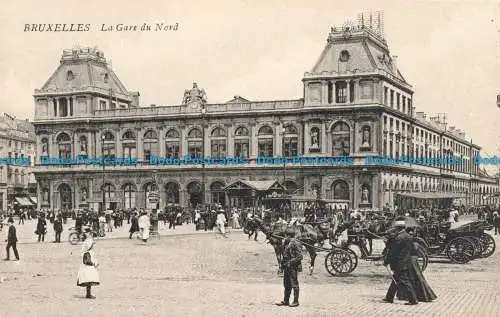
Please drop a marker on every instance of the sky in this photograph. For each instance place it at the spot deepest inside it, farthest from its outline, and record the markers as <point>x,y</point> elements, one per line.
<point>449,51</point>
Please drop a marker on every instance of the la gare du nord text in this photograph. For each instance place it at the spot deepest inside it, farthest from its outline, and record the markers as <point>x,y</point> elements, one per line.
<point>136,27</point>
<point>314,160</point>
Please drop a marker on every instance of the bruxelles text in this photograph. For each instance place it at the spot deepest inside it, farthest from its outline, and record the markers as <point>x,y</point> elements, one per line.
<point>260,160</point>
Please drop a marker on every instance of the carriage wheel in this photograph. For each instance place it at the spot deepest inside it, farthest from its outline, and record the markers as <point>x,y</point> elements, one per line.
<point>478,246</point>
<point>460,250</point>
<point>354,258</point>
<point>423,257</point>
<point>488,245</point>
<point>339,262</point>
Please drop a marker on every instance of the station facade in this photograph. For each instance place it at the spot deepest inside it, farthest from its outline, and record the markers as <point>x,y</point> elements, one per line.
<point>355,103</point>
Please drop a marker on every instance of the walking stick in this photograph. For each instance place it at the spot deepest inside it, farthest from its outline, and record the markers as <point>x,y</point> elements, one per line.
<point>392,275</point>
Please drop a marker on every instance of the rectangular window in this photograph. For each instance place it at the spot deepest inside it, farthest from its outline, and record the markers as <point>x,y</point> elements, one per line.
<point>404,104</point>
<point>172,149</point>
<point>194,149</point>
<point>102,105</point>
<point>129,151</point>
<point>391,121</point>
<point>218,148</point>
<point>385,147</point>
<point>290,146</point>
<point>385,122</point>
<point>241,148</point>
<point>351,92</point>
<point>150,149</point>
<point>113,106</point>
<point>341,92</point>
<point>397,125</point>
<point>390,149</point>
<point>386,101</point>
<point>409,106</point>
<point>265,147</point>
<point>392,98</point>
<point>398,105</point>
<point>109,151</point>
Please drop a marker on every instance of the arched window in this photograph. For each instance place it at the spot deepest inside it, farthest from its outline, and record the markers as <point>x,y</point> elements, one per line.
<point>65,197</point>
<point>106,78</point>
<point>129,195</point>
<point>290,141</point>
<point>340,190</point>
<point>172,191</point>
<point>265,141</point>
<point>64,146</point>
<point>150,144</point>
<point>172,143</point>
<point>218,142</point>
<point>241,142</point>
<point>218,194</point>
<point>63,107</point>
<point>195,143</point>
<point>129,145</point>
<point>45,146</point>
<point>108,145</point>
<point>69,75</point>
<point>16,177</point>
<point>341,139</point>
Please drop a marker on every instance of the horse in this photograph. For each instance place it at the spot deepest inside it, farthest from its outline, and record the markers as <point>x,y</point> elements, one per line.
<point>275,234</point>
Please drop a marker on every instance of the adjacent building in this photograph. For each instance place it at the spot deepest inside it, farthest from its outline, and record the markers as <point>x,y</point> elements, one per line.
<point>356,103</point>
<point>17,157</point>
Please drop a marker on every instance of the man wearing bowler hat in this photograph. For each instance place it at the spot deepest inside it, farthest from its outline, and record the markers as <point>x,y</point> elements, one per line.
<point>11,240</point>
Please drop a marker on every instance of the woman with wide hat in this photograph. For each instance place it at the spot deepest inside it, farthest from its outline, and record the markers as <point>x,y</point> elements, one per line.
<point>88,275</point>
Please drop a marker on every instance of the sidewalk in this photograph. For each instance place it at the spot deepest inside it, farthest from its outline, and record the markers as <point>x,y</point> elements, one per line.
<point>26,233</point>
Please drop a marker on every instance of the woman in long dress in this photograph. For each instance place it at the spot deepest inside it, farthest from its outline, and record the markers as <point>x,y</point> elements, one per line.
<point>422,289</point>
<point>87,273</point>
<point>144,224</point>
<point>236,222</point>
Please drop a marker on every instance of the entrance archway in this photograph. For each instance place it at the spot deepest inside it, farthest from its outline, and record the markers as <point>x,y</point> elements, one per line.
<point>172,190</point>
<point>195,193</point>
<point>218,195</point>
<point>65,197</point>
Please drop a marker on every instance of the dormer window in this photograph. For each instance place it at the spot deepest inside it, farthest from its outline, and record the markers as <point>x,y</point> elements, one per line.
<point>344,56</point>
<point>69,75</point>
<point>106,78</point>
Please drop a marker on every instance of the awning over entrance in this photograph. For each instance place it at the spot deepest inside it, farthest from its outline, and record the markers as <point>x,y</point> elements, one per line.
<point>430,195</point>
<point>258,186</point>
<point>23,202</point>
<point>34,200</point>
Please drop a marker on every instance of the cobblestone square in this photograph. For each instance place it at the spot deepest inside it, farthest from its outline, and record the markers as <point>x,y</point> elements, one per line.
<point>202,274</point>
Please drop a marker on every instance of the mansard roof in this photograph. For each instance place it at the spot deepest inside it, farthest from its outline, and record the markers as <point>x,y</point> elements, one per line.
<point>367,53</point>
<point>81,69</point>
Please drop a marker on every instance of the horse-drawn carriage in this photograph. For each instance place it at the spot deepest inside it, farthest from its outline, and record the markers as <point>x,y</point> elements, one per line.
<point>461,244</point>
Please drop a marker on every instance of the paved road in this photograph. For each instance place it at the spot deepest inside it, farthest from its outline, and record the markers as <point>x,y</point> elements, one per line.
<point>207,275</point>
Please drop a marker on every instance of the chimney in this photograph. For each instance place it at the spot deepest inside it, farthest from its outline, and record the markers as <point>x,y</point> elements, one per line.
<point>394,63</point>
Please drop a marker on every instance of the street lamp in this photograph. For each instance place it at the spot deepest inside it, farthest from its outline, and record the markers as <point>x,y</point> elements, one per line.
<point>103,137</point>
<point>203,180</point>
<point>283,131</point>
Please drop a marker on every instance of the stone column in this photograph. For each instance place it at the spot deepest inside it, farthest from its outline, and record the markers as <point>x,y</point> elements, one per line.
<point>306,135</point>
<point>357,91</point>
<point>140,147</point>
<point>76,196</point>
<point>230,140</point>
<point>118,144</point>
<point>52,194</point>
<point>98,144</point>
<point>39,196</point>
<point>161,139</point>
<point>324,143</point>
<point>53,151</point>
<point>334,92</point>
<point>354,136</point>
<point>76,149</point>
<point>355,199</point>
<point>184,144</point>
<point>348,95</point>
<point>324,92</point>
<point>306,93</point>
<point>38,149</point>
<point>253,141</point>
<point>90,148</point>
<point>206,133</point>
<point>54,107</point>
<point>278,137</point>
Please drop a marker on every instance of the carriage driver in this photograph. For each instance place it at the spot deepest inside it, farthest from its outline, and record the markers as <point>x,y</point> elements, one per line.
<point>292,264</point>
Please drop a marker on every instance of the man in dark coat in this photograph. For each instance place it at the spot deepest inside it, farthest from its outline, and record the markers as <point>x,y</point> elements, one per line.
<point>58,228</point>
<point>12,240</point>
<point>134,227</point>
<point>399,252</point>
<point>292,264</point>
